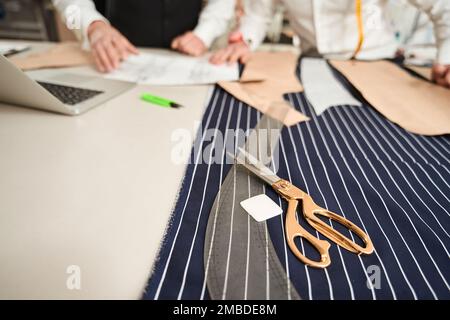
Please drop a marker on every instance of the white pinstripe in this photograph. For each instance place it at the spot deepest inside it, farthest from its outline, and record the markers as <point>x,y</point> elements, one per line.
<point>429,153</point>
<point>248,227</point>
<point>348,194</point>
<point>225,284</point>
<point>286,260</point>
<point>404,211</point>
<point>407,200</point>
<point>205,187</point>
<point>420,155</point>
<point>404,176</point>
<point>208,260</point>
<point>412,158</point>
<point>320,190</point>
<point>330,287</point>
<point>287,266</point>
<point>447,142</point>
<point>161,281</point>
<point>248,246</point>
<point>266,231</point>
<point>395,183</point>
<point>352,294</point>
<point>435,149</point>
<point>323,197</point>
<point>365,197</point>
<point>402,134</point>
<point>441,145</point>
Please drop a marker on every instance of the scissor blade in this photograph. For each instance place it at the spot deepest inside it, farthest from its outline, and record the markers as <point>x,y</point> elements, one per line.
<point>256,167</point>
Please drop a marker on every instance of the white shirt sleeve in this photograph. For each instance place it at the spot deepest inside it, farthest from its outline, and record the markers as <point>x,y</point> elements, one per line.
<point>214,20</point>
<point>439,13</point>
<point>78,14</point>
<point>255,21</point>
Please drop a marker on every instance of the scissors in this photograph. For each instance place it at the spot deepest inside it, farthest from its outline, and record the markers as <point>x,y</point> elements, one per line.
<point>311,211</point>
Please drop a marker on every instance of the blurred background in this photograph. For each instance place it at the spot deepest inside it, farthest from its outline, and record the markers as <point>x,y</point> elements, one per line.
<point>37,20</point>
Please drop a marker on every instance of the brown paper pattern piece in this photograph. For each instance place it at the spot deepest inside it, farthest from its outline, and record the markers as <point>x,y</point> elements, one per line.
<point>423,71</point>
<point>278,71</point>
<point>414,104</point>
<point>66,54</point>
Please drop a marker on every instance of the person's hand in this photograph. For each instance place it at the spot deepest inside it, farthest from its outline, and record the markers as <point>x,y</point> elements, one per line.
<point>236,50</point>
<point>190,44</point>
<point>108,46</point>
<point>231,54</point>
<point>441,75</point>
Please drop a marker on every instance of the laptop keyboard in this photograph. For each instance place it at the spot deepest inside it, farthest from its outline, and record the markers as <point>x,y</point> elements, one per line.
<point>69,95</point>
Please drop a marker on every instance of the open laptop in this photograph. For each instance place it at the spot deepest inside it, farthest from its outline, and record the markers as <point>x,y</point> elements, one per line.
<point>64,93</point>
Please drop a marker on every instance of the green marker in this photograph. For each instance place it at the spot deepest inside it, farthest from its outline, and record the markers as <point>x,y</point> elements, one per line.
<point>160,101</point>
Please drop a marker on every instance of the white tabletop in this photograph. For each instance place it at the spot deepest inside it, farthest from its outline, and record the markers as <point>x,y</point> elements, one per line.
<point>94,191</point>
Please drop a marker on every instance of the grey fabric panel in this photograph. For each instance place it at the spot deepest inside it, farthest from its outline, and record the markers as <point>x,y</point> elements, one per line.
<point>225,259</point>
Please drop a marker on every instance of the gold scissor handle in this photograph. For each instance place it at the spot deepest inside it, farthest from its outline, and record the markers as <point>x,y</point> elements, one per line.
<point>294,230</point>
<point>312,210</point>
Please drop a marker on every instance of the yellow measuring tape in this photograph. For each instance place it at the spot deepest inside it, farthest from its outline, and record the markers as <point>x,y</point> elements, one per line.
<point>359,20</point>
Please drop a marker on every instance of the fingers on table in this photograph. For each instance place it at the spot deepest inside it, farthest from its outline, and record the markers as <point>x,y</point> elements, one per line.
<point>441,75</point>
<point>231,54</point>
<point>108,53</point>
<point>175,43</point>
<point>221,56</point>
<point>101,57</point>
<point>188,43</point>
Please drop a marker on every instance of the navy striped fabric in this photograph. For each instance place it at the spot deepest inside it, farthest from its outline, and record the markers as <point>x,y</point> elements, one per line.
<point>351,160</point>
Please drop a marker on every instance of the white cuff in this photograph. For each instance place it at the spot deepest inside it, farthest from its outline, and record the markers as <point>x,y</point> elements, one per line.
<point>252,39</point>
<point>443,55</point>
<point>203,31</point>
<point>86,20</point>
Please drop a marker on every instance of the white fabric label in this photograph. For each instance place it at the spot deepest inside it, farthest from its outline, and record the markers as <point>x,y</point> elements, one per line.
<point>261,207</point>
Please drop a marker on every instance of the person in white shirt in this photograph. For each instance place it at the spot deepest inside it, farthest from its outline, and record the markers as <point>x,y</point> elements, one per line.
<point>330,28</point>
<point>113,34</point>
